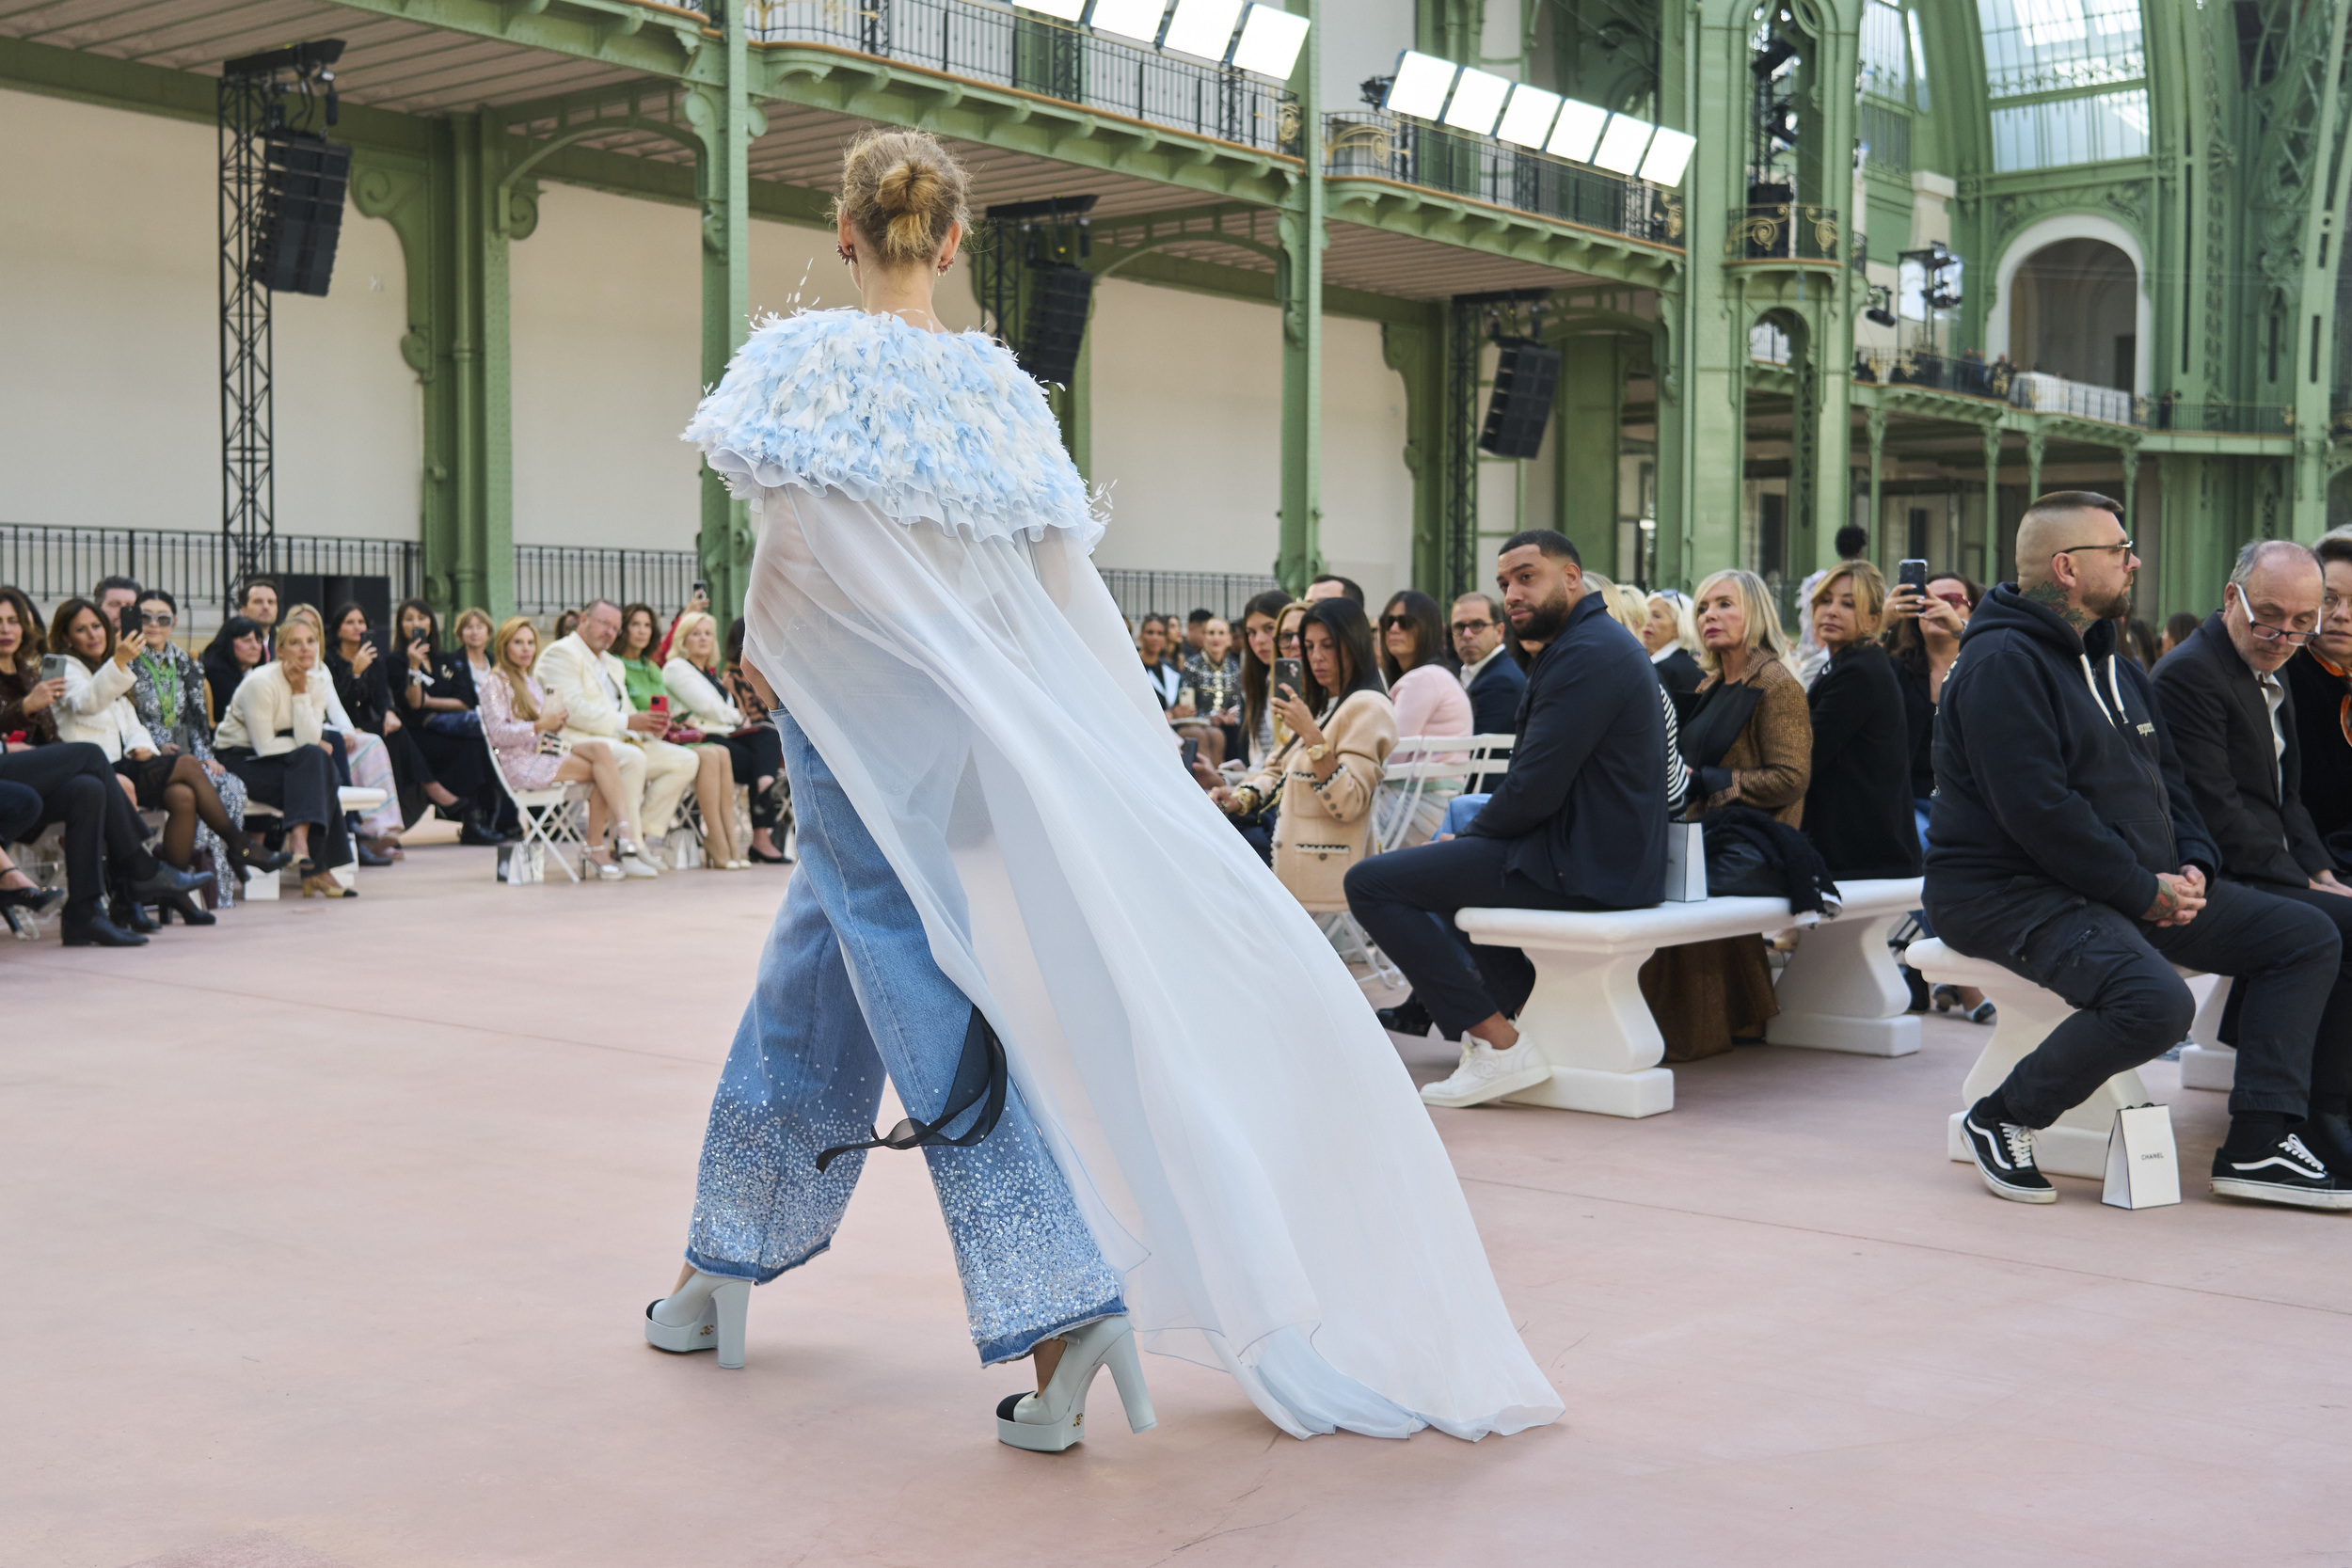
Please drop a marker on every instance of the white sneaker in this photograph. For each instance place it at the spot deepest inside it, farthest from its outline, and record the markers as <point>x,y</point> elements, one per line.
<point>637,866</point>
<point>1487,1073</point>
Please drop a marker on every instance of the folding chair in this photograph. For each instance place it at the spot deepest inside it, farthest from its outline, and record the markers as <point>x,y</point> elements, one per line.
<point>41,857</point>
<point>551,817</point>
<point>1411,766</point>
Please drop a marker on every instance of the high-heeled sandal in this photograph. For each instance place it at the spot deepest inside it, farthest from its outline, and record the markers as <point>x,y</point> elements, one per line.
<point>37,902</point>
<point>713,1306</point>
<point>1053,1419</point>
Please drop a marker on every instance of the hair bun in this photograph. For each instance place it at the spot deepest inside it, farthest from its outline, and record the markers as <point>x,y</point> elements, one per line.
<point>902,191</point>
<point>908,186</point>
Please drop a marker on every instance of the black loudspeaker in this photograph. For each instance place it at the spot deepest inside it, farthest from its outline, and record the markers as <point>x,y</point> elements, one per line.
<point>302,213</point>
<point>1055,323</point>
<point>1526,376</point>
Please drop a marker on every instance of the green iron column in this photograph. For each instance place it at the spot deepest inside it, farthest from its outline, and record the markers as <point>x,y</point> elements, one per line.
<point>2035,443</point>
<point>725,124</point>
<point>1585,418</point>
<point>1876,419</point>
<point>485,570</point>
<point>1300,294</point>
<point>1990,557</point>
<point>1700,349</point>
<point>1416,352</point>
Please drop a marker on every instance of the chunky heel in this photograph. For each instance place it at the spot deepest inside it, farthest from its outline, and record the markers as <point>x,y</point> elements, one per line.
<point>706,1312</point>
<point>1126,1367</point>
<point>730,1305</point>
<point>1053,1419</point>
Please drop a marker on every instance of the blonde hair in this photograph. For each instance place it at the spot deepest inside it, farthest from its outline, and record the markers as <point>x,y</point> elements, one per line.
<point>517,678</point>
<point>1764,630</point>
<point>302,626</point>
<point>1627,607</point>
<point>1870,592</point>
<point>1686,634</point>
<point>901,191</point>
<point>305,612</point>
<point>467,618</point>
<point>690,621</point>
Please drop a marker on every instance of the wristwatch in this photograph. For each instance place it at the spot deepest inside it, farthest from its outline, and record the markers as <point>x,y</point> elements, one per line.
<point>1316,754</point>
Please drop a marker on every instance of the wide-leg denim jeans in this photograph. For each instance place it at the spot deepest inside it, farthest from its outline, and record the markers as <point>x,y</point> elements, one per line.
<point>847,992</point>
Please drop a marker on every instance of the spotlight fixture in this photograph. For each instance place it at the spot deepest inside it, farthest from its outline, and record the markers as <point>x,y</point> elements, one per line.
<point>1578,133</point>
<point>1669,155</point>
<point>1478,96</point>
<point>1062,11</point>
<point>1130,19</point>
<point>1270,41</point>
<point>1420,85</point>
<point>1203,28</point>
<point>1623,144</point>
<point>1528,120</point>
<point>1773,57</point>
<point>1878,314</point>
<point>1375,89</point>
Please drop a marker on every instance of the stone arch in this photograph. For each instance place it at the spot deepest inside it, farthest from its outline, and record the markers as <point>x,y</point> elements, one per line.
<point>2084,256</point>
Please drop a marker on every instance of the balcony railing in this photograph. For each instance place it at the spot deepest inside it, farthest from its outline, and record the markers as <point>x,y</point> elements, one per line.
<point>1784,231</point>
<point>1999,380</point>
<point>1034,53</point>
<point>1140,592</point>
<point>1392,146</point>
<point>552,578</point>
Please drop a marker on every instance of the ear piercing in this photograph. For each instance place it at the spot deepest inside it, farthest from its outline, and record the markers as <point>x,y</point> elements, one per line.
<point>847,255</point>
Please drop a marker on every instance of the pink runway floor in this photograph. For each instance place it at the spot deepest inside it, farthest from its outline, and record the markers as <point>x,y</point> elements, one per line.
<point>327,1233</point>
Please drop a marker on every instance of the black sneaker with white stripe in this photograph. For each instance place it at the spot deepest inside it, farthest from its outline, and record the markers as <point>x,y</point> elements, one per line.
<point>2284,1172</point>
<point>2004,1152</point>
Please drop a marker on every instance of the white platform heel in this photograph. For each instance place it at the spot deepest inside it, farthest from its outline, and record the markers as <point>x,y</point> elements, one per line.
<point>1055,1418</point>
<point>705,1313</point>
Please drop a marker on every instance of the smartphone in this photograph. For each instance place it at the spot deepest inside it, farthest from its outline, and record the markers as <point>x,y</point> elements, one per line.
<point>133,626</point>
<point>1912,575</point>
<point>1192,750</point>
<point>53,666</point>
<point>699,587</point>
<point>658,705</point>
<point>1290,673</point>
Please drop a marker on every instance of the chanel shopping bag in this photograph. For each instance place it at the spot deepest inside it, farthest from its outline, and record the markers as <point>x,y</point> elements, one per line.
<point>522,864</point>
<point>2143,1168</point>
<point>1686,864</point>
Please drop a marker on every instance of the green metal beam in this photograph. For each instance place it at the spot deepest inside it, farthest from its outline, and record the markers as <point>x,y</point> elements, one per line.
<point>1299,281</point>
<point>722,117</point>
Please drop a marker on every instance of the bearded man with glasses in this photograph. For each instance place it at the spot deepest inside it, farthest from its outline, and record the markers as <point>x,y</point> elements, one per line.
<point>2065,843</point>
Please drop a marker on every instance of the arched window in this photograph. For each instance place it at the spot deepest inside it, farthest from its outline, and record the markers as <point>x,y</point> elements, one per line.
<point>2083,64</point>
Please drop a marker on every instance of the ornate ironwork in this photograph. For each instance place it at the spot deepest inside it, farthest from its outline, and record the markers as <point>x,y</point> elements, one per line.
<point>1796,232</point>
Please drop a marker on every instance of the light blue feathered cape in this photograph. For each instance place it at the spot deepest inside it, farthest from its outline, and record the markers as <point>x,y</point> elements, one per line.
<point>941,426</point>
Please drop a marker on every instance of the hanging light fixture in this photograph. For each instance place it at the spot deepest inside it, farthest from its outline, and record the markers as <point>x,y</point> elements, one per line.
<point>1270,41</point>
<point>1578,133</point>
<point>1623,144</point>
<point>1669,155</point>
<point>1421,85</point>
<point>1528,119</point>
<point>1203,28</point>
<point>1130,19</point>
<point>1477,100</point>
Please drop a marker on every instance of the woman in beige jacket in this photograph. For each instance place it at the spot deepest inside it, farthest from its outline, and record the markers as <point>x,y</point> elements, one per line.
<point>1326,777</point>
<point>274,737</point>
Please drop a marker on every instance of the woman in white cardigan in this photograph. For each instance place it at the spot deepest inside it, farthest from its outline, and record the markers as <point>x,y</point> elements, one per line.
<point>698,703</point>
<point>97,708</point>
<point>274,737</point>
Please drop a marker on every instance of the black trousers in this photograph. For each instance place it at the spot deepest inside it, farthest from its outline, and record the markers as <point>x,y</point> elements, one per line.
<point>77,785</point>
<point>2117,971</point>
<point>2331,1051</point>
<point>301,784</point>
<point>1405,901</point>
<point>19,812</point>
<point>757,754</point>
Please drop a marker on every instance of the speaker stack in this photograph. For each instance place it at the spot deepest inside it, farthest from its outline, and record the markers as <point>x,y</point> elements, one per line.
<point>303,182</point>
<point>1527,374</point>
<point>1054,323</point>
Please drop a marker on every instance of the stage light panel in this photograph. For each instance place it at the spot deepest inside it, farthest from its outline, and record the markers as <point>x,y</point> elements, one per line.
<point>1270,41</point>
<point>1478,96</point>
<point>1528,119</point>
<point>1669,155</point>
<point>1578,132</point>
<point>1420,87</point>
<point>1130,19</point>
<point>1622,144</point>
<point>1065,10</point>
<point>1203,28</point>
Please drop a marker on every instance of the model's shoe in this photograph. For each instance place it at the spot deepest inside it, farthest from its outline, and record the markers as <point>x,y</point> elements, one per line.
<point>2004,1153</point>
<point>2283,1172</point>
<point>187,909</point>
<point>98,931</point>
<point>1408,1016</point>
<point>1055,1418</point>
<point>705,1313</point>
<point>1983,1012</point>
<point>166,881</point>
<point>1487,1073</point>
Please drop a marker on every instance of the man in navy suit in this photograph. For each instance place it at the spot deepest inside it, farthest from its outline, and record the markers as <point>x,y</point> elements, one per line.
<point>1489,673</point>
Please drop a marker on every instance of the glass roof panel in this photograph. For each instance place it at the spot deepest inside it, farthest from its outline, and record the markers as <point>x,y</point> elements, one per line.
<point>1885,67</point>
<point>2051,45</point>
<point>2085,130</point>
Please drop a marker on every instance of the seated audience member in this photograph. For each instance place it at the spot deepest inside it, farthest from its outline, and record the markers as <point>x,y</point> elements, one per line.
<point>2233,720</point>
<point>1630,608</point>
<point>1332,586</point>
<point>104,848</point>
<point>1579,822</point>
<point>1194,636</point>
<point>2139,644</point>
<point>1257,674</point>
<point>1168,680</point>
<point>567,623</point>
<point>167,694</point>
<point>97,709</point>
<point>1668,633</point>
<point>258,602</point>
<point>438,718</point>
<point>1857,804</point>
<point>1213,692</point>
<point>581,670</point>
<point>28,705</point>
<point>235,651</point>
<point>274,737</point>
<point>2177,627</point>
<point>1808,658</point>
<point>698,708</point>
<point>524,721</point>
<point>2066,846</point>
<point>637,648</point>
<point>1491,671</point>
<point>360,757</point>
<point>1749,743</point>
<point>22,899</point>
<point>1922,642</point>
<point>363,681</point>
<point>1256,821</point>
<point>1327,773</point>
<point>1428,696</point>
<point>697,598</point>
<point>2321,680</point>
<point>772,794</point>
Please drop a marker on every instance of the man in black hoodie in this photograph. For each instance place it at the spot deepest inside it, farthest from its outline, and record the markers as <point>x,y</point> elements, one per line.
<point>2063,845</point>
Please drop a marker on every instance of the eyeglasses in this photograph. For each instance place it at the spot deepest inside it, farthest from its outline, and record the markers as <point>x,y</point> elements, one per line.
<point>2125,545</point>
<point>150,618</point>
<point>1466,628</point>
<point>1389,621</point>
<point>2272,634</point>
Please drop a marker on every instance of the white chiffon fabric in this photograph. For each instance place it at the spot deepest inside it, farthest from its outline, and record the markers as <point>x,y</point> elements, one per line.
<point>1238,1131</point>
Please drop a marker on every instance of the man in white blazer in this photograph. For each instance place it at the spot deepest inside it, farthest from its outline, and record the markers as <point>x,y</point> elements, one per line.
<point>594,688</point>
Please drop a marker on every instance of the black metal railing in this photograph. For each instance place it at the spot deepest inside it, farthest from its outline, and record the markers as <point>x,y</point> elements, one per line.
<point>1373,143</point>
<point>1140,592</point>
<point>1034,53</point>
<point>1973,376</point>
<point>1964,374</point>
<point>552,578</point>
<point>2171,411</point>
<point>51,562</point>
<point>1784,231</point>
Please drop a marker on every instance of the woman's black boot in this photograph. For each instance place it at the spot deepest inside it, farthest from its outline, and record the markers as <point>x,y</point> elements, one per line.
<point>127,913</point>
<point>187,909</point>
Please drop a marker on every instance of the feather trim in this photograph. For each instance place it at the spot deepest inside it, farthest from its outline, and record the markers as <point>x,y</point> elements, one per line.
<point>941,426</point>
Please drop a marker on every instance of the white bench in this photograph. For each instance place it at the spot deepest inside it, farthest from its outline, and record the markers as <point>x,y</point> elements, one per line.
<point>1588,1018</point>
<point>2076,1143</point>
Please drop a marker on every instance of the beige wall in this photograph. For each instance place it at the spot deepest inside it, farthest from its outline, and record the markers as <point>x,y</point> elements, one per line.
<point>109,351</point>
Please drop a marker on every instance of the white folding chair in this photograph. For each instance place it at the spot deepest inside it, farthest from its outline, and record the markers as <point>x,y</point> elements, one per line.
<point>551,818</point>
<point>41,859</point>
<point>1411,766</point>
